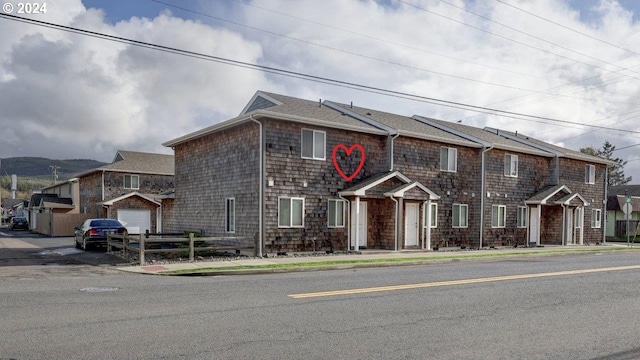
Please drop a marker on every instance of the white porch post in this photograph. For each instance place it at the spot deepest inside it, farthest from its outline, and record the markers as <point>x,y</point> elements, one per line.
<point>356,245</point>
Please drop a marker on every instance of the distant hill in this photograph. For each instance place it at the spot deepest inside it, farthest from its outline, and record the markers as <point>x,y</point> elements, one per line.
<point>37,166</point>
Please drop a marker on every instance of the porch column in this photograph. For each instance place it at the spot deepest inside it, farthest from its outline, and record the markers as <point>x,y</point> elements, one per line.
<point>400,222</point>
<point>426,226</point>
<point>356,245</point>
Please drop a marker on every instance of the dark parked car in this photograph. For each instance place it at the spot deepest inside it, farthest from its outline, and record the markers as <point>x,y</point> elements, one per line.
<point>18,223</point>
<point>94,232</point>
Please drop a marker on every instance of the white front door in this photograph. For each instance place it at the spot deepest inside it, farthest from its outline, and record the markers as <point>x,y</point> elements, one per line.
<point>534,226</point>
<point>569,231</point>
<point>411,225</point>
<point>361,226</point>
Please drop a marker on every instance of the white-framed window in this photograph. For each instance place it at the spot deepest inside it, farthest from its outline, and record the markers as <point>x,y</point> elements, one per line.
<point>511,165</point>
<point>460,215</point>
<point>522,217</point>
<point>230,215</point>
<point>590,174</point>
<point>498,216</point>
<point>336,211</point>
<point>131,181</point>
<point>313,144</point>
<point>433,221</point>
<point>578,217</point>
<point>596,218</point>
<point>290,212</point>
<point>448,159</point>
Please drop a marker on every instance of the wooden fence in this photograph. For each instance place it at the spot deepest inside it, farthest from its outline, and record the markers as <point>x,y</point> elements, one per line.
<point>53,224</point>
<point>156,243</point>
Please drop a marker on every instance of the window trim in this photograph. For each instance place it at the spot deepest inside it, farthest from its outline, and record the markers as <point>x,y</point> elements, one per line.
<point>509,159</point>
<point>313,144</point>
<point>335,203</point>
<point>227,227</point>
<point>450,150</point>
<point>460,207</point>
<point>434,216</point>
<point>124,181</point>
<point>290,223</point>
<point>596,218</point>
<point>522,217</point>
<point>501,209</point>
<point>590,174</point>
<point>578,218</point>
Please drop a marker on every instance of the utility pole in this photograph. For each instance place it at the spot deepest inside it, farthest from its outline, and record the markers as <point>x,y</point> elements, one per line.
<point>54,169</point>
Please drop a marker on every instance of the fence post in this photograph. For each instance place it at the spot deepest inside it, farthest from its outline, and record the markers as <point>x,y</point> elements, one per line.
<point>108,242</point>
<point>256,244</point>
<point>191,250</point>
<point>125,244</point>
<point>141,245</point>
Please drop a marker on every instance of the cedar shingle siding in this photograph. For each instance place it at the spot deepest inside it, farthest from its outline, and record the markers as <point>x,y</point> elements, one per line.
<point>223,161</point>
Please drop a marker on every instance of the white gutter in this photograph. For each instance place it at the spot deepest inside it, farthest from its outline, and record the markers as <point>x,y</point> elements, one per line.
<point>483,193</point>
<point>260,188</point>
<point>391,151</point>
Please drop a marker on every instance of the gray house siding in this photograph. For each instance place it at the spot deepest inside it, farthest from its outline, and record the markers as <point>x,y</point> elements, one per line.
<point>209,170</point>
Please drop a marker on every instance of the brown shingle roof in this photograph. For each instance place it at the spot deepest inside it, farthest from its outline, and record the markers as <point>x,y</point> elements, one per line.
<point>139,162</point>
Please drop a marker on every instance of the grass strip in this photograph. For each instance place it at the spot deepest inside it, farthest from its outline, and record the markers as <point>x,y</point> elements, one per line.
<point>382,261</point>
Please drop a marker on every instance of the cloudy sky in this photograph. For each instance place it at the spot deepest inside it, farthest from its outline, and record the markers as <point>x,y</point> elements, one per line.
<point>67,96</point>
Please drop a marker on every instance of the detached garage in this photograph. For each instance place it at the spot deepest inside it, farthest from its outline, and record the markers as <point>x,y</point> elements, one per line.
<point>136,211</point>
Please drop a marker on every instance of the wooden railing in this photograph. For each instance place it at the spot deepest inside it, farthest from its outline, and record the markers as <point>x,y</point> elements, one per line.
<point>149,243</point>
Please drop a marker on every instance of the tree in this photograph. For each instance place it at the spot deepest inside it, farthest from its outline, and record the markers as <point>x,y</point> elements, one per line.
<point>616,172</point>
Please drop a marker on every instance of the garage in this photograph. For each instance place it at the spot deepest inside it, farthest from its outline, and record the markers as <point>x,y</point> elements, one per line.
<point>137,221</point>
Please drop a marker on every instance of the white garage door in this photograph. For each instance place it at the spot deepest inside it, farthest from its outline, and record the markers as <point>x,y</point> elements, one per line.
<point>135,220</point>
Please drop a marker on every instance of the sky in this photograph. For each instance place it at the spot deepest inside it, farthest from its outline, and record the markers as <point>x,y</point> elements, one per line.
<point>571,66</point>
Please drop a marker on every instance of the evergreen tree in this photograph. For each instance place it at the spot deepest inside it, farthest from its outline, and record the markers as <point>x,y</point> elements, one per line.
<point>616,172</point>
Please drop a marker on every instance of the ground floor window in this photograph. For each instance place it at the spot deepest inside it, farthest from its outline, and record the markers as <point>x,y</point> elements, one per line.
<point>336,213</point>
<point>498,216</point>
<point>290,212</point>
<point>433,221</point>
<point>522,218</point>
<point>230,215</point>
<point>460,215</point>
<point>596,218</point>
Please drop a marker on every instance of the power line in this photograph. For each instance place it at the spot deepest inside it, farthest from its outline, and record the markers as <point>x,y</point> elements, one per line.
<point>364,56</point>
<point>298,75</point>
<point>568,28</point>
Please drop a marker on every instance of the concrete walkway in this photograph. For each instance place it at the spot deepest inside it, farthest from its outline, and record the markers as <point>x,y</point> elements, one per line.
<point>366,258</point>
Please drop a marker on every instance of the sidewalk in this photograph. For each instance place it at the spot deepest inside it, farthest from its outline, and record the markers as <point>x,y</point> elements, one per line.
<point>366,258</point>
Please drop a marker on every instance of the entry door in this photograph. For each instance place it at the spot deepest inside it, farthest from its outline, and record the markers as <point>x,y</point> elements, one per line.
<point>411,225</point>
<point>362,224</point>
<point>569,231</point>
<point>534,226</point>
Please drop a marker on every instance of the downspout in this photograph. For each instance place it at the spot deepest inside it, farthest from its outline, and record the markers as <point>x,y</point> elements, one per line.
<point>102,196</point>
<point>260,188</point>
<point>483,193</point>
<point>606,198</point>
<point>395,231</point>
<point>391,151</point>
<point>348,217</point>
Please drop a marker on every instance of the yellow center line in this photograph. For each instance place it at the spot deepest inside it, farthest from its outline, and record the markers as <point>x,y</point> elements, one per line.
<point>458,282</point>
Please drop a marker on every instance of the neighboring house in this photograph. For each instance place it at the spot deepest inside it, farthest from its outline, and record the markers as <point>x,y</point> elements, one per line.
<point>128,189</point>
<point>69,189</point>
<point>12,207</point>
<point>292,173</point>
<point>616,220</point>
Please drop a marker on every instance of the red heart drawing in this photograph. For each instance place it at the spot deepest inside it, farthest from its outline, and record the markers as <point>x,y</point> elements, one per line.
<point>348,152</point>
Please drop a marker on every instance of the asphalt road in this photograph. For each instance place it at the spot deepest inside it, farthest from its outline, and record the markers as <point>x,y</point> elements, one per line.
<point>443,311</point>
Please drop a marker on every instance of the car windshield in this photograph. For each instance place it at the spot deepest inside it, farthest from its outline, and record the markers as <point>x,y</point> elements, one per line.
<point>19,220</point>
<point>105,223</point>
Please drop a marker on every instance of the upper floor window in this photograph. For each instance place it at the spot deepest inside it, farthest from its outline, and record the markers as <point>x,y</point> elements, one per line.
<point>336,213</point>
<point>498,216</point>
<point>590,174</point>
<point>131,182</point>
<point>522,216</point>
<point>313,144</point>
<point>448,159</point>
<point>290,212</point>
<point>511,165</point>
<point>596,218</point>
<point>460,215</point>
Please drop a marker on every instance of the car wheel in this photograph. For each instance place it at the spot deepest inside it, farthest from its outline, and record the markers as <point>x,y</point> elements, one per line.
<point>84,243</point>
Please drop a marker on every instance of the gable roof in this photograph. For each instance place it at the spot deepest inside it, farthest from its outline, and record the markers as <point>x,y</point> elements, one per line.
<point>138,162</point>
<point>126,196</point>
<point>547,194</point>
